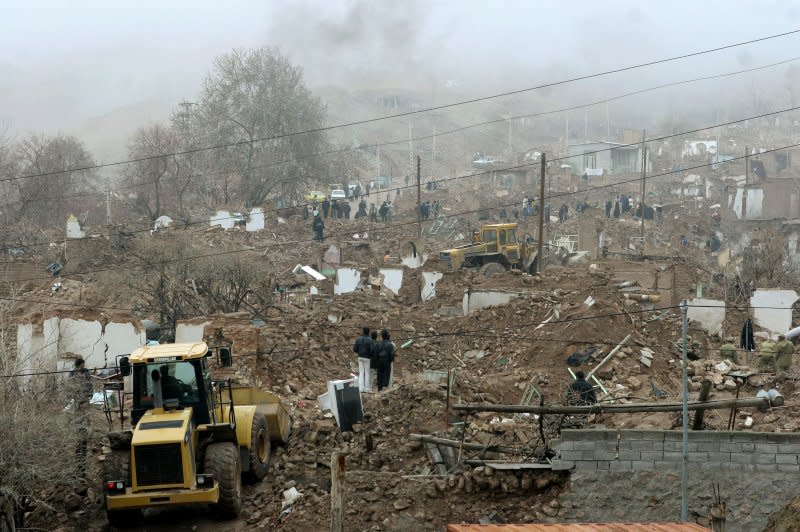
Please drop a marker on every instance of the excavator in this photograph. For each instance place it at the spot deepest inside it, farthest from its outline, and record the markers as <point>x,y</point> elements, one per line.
<point>192,438</point>
<point>494,248</point>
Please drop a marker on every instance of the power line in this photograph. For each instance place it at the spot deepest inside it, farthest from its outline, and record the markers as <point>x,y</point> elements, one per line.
<point>506,169</point>
<point>409,113</point>
<point>350,230</point>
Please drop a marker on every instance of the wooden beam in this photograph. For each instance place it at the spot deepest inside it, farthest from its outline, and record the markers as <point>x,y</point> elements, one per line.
<point>613,409</point>
<point>337,491</point>
<point>608,357</point>
<point>468,445</point>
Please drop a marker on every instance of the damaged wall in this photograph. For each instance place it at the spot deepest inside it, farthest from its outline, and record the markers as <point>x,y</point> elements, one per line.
<point>635,474</point>
<point>429,280</point>
<point>41,346</point>
<point>772,309</point>
<point>709,313</point>
<point>486,298</point>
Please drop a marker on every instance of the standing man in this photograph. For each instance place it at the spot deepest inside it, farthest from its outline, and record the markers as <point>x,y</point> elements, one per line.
<point>384,359</point>
<point>326,205</point>
<point>81,390</point>
<point>318,226</point>
<point>363,347</point>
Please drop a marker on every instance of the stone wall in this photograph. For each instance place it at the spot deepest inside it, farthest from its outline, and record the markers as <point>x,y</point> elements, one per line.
<point>635,475</point>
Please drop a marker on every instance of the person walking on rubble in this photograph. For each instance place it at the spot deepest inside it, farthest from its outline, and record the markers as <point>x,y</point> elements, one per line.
<point>580,392</point>
<point>318,226</point>
<point>363,348</point>
<point>384,211</point>
<point>384,358</point>
<point>326,206</point>
<point>81,390</point>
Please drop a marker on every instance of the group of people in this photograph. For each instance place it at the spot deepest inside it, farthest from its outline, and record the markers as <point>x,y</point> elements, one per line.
<point>374,354</point>
<point>428,208</point>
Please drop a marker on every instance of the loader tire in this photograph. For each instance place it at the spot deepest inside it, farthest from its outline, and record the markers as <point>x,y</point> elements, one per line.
<point>491,268</point>
<point>222,461</point>
<point>117,466</point>
<point>260,449</point>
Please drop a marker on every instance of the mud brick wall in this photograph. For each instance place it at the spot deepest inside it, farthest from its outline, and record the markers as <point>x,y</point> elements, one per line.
<point>635,475</point>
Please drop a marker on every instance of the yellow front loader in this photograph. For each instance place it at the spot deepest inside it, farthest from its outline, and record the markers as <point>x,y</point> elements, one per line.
<point>193,438</point>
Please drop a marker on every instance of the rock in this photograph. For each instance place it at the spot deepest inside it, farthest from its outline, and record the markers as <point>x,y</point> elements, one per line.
<point>634,383</point>
<point>402,504</point>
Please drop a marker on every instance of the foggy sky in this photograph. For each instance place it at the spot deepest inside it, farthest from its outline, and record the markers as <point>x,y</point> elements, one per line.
<point>100,69</point>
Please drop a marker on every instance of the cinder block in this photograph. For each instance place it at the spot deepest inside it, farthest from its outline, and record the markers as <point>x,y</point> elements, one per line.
<point>673,435</point>
<point>605,455</point>
<point>789,448</point>
<point>630,455</point>
<point>584,445</point>
<point>603,465</point>
<point>698,457</point>
<point>789,468</point>
<point>745,446</point>
<point>571,455</point>
<point>641,465</point>
<point>766,468</point>
<point>663,465</point>
<point>719,458</point>
<point>651,456</point>
<point>786,459</point>
<point>765,459</point>
<point>671,445</point>
<point>673,456</point>
<point>708,446</point>
<point>766,448</point>
<point>783,437</point>
<point>742,458</point>
<point>645,445</point>
<point>621,465</point>
<point>727,447</point>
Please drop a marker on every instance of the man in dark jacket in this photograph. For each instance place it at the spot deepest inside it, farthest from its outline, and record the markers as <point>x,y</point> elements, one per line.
<point>384,357</point>
<point>581,392</point>
<point>363,347</point>
<point>747,340</point>
<point>81,389</point>
<point>318,226</point>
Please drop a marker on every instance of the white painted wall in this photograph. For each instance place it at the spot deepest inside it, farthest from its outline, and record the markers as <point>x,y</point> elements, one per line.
<point>429,280</point>
<point>755,200</point>
<point>190,332</point>
<point>255,222</point>
<point>98,346</point>
<point>772,309</point>
<point>392,279</point>
<point>477,300</point>
<point>347,280</point>
<point>222,219</point>
<point>709,313</point>
<point>414,262</point>
<point>74,228</point>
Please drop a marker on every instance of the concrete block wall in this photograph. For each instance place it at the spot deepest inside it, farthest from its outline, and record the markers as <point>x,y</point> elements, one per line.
<point>635,474</point>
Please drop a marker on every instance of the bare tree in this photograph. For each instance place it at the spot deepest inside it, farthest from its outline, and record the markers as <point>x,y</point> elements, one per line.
<point>253,95</point>
<point>149,173</point>
<point>58,166</point>
<point>765,262</point>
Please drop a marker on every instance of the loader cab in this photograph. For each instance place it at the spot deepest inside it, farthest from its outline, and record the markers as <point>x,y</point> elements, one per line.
<point>184,384</point>
<point>501,238</point>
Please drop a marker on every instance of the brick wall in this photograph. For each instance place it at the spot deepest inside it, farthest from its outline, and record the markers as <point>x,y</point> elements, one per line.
<point>635,474</point>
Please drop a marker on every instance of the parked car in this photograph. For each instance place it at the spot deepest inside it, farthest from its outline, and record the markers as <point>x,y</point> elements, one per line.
<point>338,194</point>
<point>315,195</point>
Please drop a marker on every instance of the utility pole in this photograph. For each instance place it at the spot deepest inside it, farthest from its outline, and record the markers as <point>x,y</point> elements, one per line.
<point>510,137</point>
<point>586,125</point>
<point>685,417</point>
<point>411,143</point>
<point>539,244</point>
<point>108,201</point>
<point>566,133</point>
<point>419,197</point>
<point>746,181</point>
<point>433,148</point>
<point>644,174</point>
<point>377,164</point>
<point>337,491</point>
<point>608,124</point>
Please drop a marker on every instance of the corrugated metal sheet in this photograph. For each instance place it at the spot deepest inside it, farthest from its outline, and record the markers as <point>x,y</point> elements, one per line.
<point>582,527</point>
